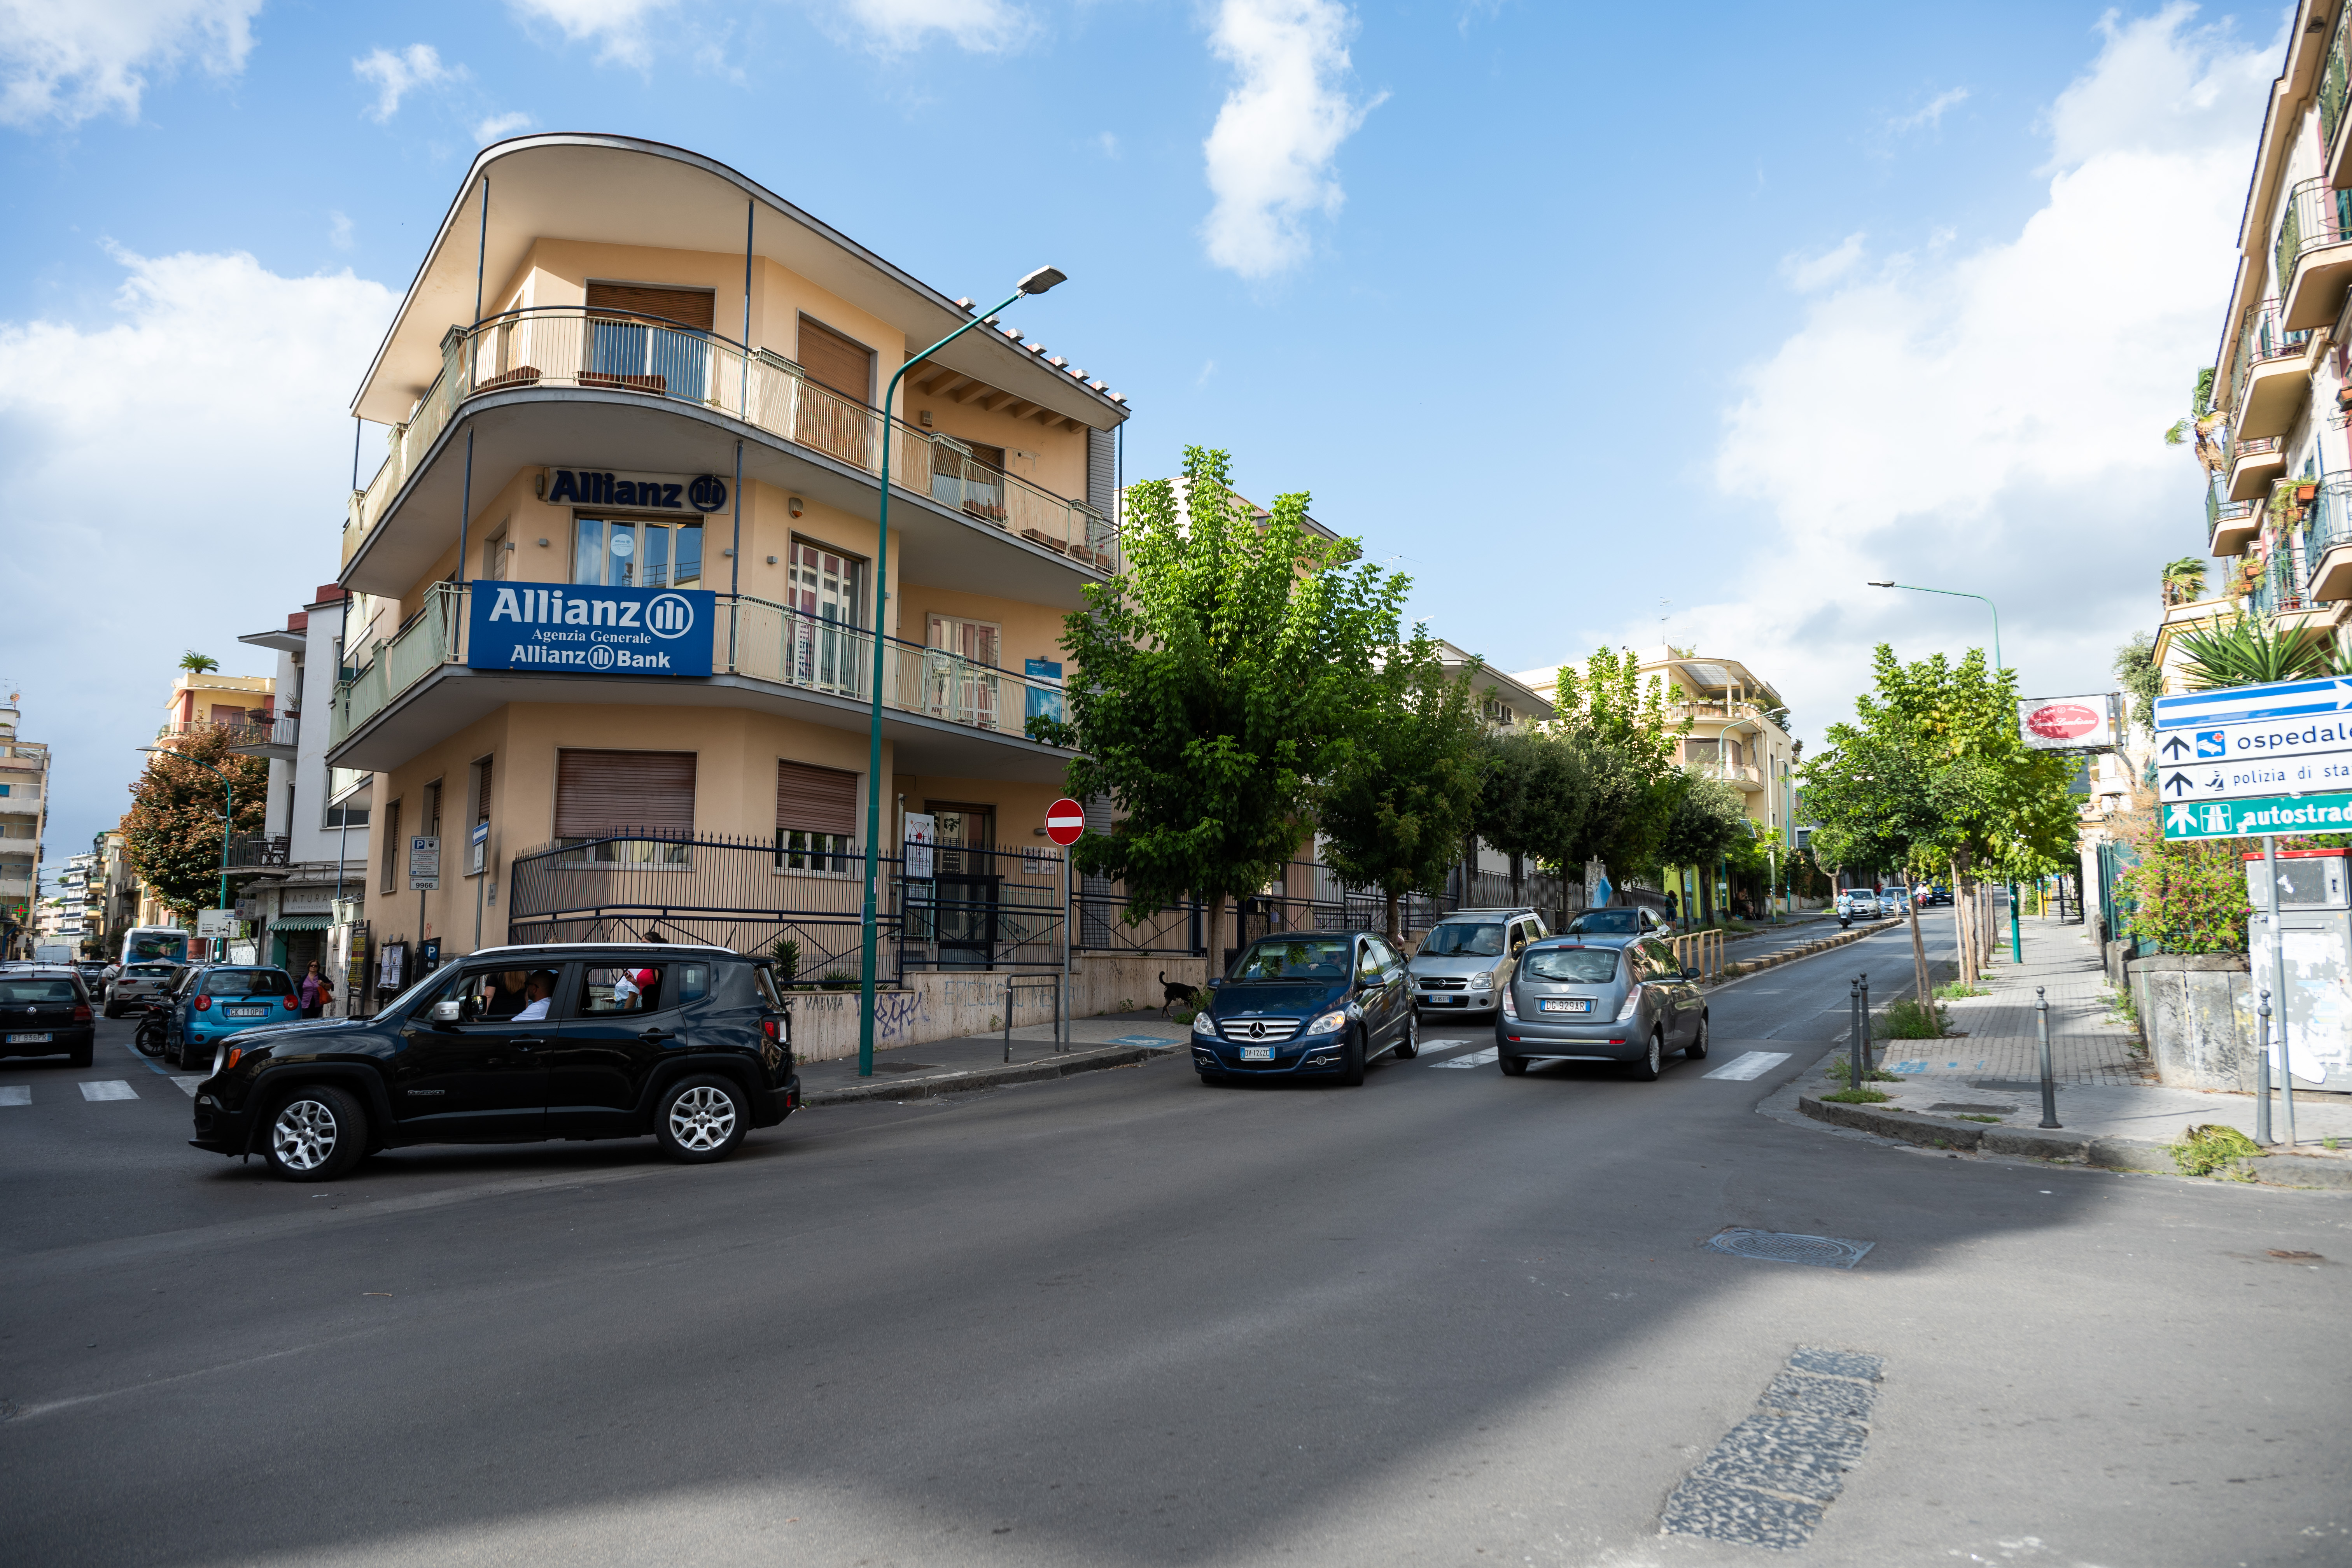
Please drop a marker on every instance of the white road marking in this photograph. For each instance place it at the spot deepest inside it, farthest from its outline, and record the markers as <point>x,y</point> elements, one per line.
<point>17,1094</point>
<point>109,1089</point>
<point>1475,1059</point>
<point>188,1083</point>
<point>1750,1064</point>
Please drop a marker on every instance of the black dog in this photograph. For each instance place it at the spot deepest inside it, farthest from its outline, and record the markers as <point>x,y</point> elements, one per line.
<point>1177,992</point>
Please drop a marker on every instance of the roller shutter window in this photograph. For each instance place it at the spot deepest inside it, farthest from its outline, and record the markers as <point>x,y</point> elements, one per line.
<point>392,845</point>
<point>840,362</point>
<point>630,796</point>
<point>482,795</point>
<point>816,818</point>
<point>694,308</point>
<point>839,419</point>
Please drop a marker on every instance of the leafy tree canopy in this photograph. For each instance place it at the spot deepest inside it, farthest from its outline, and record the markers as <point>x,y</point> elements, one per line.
<point>172,834</point>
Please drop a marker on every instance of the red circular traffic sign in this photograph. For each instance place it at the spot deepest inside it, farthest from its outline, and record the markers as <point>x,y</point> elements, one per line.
<point>1066,822</point>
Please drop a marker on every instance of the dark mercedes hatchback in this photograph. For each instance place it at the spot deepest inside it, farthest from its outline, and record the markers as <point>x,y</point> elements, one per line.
<point>690,1044</point>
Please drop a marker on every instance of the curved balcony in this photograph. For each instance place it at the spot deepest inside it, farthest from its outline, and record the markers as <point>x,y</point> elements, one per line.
<point>602,363</point>
<point>2312,258</point>
<point>2328,540</point>
<point>2252,465</point>
<point>2230,525</point>
<point>946,714</point>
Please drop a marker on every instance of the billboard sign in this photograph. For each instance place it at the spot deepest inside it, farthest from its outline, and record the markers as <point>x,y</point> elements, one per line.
<point>2091,724</point>
<point>578,629</point>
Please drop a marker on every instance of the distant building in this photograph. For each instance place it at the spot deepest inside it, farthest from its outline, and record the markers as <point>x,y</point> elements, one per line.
<point>24,819</point>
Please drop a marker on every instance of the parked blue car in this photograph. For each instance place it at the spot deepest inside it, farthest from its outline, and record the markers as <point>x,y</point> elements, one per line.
<point>217,1000</point>
<point>1307,1004</point>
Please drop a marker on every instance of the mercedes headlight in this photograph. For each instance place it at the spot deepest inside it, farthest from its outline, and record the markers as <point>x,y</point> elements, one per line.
<point>1204,1025</point>
<point>1331,1023</point>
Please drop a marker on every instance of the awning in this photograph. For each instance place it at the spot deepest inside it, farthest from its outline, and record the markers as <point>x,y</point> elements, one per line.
<point>300,922</point>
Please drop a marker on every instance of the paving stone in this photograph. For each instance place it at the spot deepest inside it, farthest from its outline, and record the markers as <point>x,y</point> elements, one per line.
<point>1833,1397</point>
<point>1716,1511</point>
<point>1836,1363</point>
<point>1803,1455</point>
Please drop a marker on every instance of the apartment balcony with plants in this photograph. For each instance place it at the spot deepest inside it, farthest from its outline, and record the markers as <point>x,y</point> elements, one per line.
<point>2231,526</point>
<point>2252,465</point>
<point>2271,368</point>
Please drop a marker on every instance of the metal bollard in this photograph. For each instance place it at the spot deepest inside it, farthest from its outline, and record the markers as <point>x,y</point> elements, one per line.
<point>2041,1033</point>
<point>1865,1023</point>
<point>1857,1019</point>
<point>2263,1075</point>
<point>1008,1017</point>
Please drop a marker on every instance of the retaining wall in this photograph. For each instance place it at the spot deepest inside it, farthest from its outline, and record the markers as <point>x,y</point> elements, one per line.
<point>944,1005</point>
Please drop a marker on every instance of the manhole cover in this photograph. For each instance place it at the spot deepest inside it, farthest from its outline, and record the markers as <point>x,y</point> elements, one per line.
<point>1781,1247</point>
<point>904,1067</point>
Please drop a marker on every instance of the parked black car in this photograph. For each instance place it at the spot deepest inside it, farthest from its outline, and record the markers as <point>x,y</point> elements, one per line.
<point>513,1044</point>
<point>1308,1003</point>
<point>45,1012</point>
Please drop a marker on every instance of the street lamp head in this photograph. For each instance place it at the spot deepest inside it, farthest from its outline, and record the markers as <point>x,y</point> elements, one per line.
<point>1887,584</point>
<point>1044,277</point>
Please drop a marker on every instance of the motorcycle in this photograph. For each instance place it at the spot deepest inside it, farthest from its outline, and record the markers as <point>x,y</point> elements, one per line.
<point>149,1036</point>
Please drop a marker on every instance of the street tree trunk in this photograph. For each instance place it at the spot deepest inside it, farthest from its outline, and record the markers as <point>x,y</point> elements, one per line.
<point>1215,921</point>
<point>1926,988</point>
<point>1518,869</point>
<point>1395,929</point>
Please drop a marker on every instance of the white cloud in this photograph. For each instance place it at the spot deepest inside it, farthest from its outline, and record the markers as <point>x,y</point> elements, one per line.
<point>1270,154</point>
<point>395,75</point>
<point>616,27</point>
<point>70,59</point>
<point>1108,142</point>
<point>500,125</point>
<point>1932,114</point>
<point>895,26</point>
<point>1986,419</point>
<point>214,403</point>
<point>1807,273</point>
<point>338,230</point>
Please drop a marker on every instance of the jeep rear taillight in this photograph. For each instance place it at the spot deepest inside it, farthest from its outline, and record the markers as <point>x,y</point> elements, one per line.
<point>769,1027</point>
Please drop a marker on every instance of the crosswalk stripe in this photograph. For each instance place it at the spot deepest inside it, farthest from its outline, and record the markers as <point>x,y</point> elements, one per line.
<point>16,1094</point>
<point>1475,1059</point>
<point>1750,1064</point>
<point>188,1083</point>
<point>108,1088</point>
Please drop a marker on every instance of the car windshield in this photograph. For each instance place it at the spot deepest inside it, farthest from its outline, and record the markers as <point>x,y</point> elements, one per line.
<point>1619,923</point>
<point>1576,965</point>
<point>247,982</point>
<point>1293,958</point>
<point>1463,939</point>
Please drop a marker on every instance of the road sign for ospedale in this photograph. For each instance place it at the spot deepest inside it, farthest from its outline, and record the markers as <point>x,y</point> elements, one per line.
<point>2244,762</point>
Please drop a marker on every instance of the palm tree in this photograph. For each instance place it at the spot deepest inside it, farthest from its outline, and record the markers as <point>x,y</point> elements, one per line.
<point>2184,581</point>
<point>196,663</point>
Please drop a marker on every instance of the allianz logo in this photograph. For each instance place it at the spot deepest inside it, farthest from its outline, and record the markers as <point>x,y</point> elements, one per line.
<point>664,614</point>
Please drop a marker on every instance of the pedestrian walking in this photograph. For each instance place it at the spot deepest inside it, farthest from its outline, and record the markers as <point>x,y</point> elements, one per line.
<point>313,992</point>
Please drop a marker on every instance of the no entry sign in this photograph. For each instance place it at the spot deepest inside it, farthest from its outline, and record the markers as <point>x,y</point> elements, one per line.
<point>1066,822</point>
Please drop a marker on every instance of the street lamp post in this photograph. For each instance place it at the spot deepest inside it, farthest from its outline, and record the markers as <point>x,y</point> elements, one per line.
<point>1956,593</point>
<point>1038,282</point>
<point>228,813</point>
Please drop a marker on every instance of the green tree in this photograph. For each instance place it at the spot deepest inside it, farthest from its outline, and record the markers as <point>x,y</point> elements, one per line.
<point>2135,665</point>
<point>1615,728</point>
<point>171,834</point>
<point>2184,580</point>
<point>196,663</point>
<point>1871,797</point>
<point>1209,680</point>
<point>1706,818</point>
<point>1401,789</point>
<point>2249,651</point>
<point>1531,798</point>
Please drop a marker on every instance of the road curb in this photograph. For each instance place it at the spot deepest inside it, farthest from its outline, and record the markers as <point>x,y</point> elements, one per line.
<point>2305,1170</point>
<point>1740,970</point>
<point>1061,1065</point>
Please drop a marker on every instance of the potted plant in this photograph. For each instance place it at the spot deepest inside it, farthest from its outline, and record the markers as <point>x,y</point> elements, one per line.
<point>2304,490</point>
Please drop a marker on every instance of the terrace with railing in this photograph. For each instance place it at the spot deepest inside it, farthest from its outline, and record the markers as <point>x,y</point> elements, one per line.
<point>572,346</point>
<point>2316,218</point>
<point>2229,524</point>
<point>750,637</point>
<point>2328,527</point>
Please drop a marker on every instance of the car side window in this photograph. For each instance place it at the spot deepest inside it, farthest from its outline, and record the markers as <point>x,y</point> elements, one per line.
<point>1368,960</point>
<point>1389,960</point>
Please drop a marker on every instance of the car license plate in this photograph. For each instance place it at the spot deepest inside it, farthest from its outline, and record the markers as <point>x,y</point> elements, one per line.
<point>1566,1004</point>
<point>1257,1053</point>
<point>1437,1001</point>
<point>245,1012</point>
<point>42,1040</point>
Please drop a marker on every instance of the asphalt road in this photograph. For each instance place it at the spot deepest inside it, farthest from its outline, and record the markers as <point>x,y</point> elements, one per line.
<point>1446,1317</point>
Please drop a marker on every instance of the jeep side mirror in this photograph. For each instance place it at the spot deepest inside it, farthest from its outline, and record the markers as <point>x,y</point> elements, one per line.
<point>444,1012</point>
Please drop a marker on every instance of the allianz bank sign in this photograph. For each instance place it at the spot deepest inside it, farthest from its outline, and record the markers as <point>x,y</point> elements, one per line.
<point>575,629</point>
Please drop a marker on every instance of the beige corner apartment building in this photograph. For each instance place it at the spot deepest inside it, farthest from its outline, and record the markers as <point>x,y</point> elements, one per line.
<point>629,380</point>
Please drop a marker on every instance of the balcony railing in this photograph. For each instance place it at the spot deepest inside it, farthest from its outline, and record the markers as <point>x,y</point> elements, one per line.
<point>248,735</point>
<point>568,345</point>
<point>753,637</point>
<point>2317,216</point>
<point>2263,338</point>
<point>2335,81</point>
<point>2327,525</point>
<point>255,851</point>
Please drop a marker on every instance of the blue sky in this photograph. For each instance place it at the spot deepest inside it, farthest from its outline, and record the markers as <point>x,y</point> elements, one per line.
<point>1565,310</point>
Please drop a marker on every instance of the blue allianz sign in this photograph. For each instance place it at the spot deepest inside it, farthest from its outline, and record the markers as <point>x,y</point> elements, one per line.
<point>581,629</point>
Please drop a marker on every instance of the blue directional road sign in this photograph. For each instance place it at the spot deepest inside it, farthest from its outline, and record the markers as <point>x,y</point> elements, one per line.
<point>2264,757</point>
<point>2279,700</point>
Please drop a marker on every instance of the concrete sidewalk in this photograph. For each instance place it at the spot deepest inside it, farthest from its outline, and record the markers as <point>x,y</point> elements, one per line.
<point>1967,1090</point>
<point>978,1062</point>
